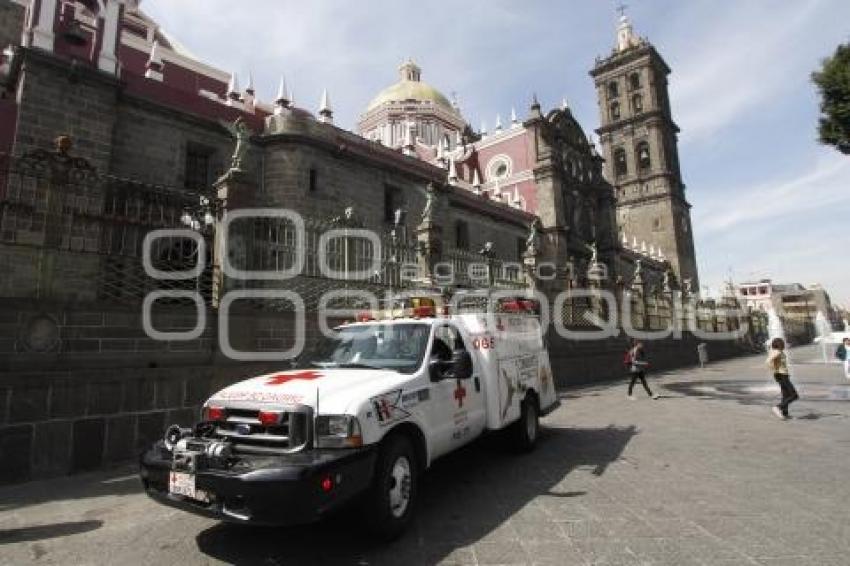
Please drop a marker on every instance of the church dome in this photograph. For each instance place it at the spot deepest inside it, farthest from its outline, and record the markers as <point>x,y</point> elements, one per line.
<point>410,87</point>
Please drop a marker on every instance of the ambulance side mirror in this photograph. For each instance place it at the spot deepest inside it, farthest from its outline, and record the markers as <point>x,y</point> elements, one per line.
<point>437,369</point>
<point>461,364</point>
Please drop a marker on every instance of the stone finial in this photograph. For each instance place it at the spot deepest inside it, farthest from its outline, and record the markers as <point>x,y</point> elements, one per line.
<point>154,66</point>
<point>233,87</point>
<point>564,104</point>
<point>452,172</point>
<point>326,113</point>
<point>625,240</point>
<point>476,182</point>
<point>626,37</point>
<point>282,99</point>
<point>634,243</point>
<point>249,88</point>
<point>534,110</point>
<point>483,130</point>
<point>514,121</point>
<point>498,122</point>
<point>643,247</point>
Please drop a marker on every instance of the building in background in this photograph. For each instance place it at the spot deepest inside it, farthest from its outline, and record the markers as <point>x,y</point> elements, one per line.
<point>791,300</point>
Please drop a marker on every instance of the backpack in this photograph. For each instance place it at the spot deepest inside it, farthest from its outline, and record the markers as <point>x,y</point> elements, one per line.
<point>841,352</point>
<point>627,359</point>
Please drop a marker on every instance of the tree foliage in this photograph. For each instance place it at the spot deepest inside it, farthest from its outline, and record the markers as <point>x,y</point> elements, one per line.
<point>833,83</point>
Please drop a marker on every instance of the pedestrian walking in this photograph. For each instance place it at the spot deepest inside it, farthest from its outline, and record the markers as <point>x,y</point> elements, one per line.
<point>843,354</point>
<point>635,361</point>
<point>777,362</point>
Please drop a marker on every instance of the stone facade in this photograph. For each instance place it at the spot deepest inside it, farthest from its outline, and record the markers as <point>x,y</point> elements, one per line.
<point>81,383</point>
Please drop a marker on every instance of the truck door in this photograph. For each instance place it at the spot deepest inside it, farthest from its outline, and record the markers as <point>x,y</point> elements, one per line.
<point>458,404</point>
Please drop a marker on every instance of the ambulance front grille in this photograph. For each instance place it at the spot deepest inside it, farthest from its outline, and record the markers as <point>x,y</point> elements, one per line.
<point>247,436</point>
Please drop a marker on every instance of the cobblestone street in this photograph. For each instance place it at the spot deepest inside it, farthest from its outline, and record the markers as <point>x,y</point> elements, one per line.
<point>704,475</point>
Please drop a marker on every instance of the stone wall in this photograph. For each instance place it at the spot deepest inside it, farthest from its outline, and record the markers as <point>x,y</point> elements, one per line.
<point>581,362</point>
<point>150,143</point>
<point>61,422</point>
<point>56,99</point>
<point>11,23</point>
<point>82,387</point>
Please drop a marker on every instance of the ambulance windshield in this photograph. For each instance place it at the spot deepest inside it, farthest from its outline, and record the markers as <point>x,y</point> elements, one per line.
<point>397,347</point>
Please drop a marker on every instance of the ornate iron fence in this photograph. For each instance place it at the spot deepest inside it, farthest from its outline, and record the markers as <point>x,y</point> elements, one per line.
<point>68,232</point>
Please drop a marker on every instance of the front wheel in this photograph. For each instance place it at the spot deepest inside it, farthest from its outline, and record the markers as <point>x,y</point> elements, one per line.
<point>527,428</point>
<point>389,503</point>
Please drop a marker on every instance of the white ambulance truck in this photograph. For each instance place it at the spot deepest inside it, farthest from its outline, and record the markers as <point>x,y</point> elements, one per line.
<point>367,412</point>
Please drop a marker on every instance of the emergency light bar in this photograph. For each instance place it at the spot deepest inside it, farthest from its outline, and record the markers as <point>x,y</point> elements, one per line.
<point>428,307</point>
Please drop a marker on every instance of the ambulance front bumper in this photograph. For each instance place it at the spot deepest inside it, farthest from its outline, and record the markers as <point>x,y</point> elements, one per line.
<point>281,490</point>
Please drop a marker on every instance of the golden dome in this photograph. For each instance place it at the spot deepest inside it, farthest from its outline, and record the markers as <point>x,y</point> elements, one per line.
<point>410,87</point>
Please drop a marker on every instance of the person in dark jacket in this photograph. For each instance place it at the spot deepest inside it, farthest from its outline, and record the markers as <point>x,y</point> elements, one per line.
<point>843,354</point>
<point>637,369</point>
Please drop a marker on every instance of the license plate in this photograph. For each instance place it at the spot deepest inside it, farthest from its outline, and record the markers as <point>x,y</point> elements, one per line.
<point>180,483</point>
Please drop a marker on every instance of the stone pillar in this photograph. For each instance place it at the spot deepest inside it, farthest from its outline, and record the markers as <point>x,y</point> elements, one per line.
<point>40,32</point>
<point>429,237</point>
<point>108,60</point>
<point>234,190</point>
<point>530,262</point>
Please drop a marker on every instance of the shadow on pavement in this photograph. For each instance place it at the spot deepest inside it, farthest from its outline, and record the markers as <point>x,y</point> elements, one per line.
<point>464,497</point>
<point>750,392</point>
<point>41,532</point>
<point>120,481</point>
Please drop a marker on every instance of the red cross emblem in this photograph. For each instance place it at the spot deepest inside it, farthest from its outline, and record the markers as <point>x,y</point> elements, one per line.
<point>460,393</point>
<point>282,378</point>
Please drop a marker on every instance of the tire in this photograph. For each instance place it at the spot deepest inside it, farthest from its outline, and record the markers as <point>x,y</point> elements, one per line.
<point>527,428</point>
<point>388,506</point>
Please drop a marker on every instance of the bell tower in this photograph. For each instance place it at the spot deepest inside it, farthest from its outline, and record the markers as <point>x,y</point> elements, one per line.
<point>640,147</point>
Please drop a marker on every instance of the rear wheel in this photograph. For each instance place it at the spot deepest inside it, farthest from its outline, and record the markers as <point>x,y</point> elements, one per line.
<point>527,428</point>
<point>388,506</point>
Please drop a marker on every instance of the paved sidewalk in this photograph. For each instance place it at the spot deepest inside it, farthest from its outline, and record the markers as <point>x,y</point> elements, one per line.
<point>705,475</point>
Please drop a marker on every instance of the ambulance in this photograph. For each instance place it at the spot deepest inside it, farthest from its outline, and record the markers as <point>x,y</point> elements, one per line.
<point>362,416</point>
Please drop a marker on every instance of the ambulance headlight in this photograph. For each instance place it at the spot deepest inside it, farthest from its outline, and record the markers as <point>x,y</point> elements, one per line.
<point>338,431</point>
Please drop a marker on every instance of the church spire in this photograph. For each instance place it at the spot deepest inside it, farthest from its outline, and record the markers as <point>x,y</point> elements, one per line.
<point>326,113</point>
<point>282,99</point>
<point>233,87</point>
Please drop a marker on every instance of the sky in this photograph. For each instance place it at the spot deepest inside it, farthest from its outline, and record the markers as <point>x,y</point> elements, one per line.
<point>768,199</point>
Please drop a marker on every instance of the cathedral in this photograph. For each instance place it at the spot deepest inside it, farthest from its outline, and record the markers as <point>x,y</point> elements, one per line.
<point>139,105</point>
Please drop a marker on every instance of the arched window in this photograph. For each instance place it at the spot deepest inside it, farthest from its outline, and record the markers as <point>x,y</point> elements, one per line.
<point>620,166</point>
<point>643,160</point>
<point>637,103</point>
<point>615,110</point>
<point>613,90</point>
<point>634,80</point>
<point>461,235</point>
